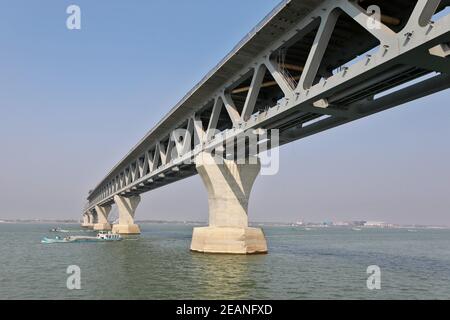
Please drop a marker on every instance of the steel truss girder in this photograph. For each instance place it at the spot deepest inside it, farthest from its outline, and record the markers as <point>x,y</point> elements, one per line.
<point>409,48</point>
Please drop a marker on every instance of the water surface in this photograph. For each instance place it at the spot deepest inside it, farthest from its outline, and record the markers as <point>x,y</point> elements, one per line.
<point>323,263</point>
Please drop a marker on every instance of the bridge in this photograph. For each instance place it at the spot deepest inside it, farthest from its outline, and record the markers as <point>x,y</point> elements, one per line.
<point>309,66</point>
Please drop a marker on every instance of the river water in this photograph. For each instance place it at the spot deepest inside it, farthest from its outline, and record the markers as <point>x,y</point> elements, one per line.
<point>321,263</point>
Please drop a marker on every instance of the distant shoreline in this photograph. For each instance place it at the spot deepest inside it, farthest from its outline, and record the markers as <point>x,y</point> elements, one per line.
<point>267,224</point>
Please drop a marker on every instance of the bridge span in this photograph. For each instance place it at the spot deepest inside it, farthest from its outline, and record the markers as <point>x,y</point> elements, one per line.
<point>309,66</point>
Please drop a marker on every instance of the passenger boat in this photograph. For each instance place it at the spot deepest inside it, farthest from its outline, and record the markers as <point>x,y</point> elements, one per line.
<point>101,237</point>
<point>108,236</point>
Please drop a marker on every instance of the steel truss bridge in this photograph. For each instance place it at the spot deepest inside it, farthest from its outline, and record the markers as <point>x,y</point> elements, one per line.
<point>309,66</point>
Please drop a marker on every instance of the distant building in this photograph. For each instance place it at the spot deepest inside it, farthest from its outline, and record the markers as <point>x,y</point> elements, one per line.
<point>358,223</point>
<point>378,224</point>
<point>342,224</point>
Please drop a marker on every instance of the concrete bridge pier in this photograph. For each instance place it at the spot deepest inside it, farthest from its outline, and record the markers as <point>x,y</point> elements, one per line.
<point>127,208</point>
<point>85,223</point>
<point>88,220</point>
<point>92,219</point>
<point>102,218</point>
<point>228,184</point>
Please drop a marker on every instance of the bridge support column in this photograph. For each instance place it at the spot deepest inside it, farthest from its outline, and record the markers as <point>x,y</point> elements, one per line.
<point>88,220</point>
<point>92,219</point>
<point>102,218</point>
<point>85,223</point>
<point>127,207</point>
<point>228,185</point>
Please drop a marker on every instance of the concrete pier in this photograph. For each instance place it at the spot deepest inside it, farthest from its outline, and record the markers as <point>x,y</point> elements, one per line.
<point>86,223</point>
<point>102,218</point>
<point>228,185</point>
<point>127,208</point>
<point>88,220</point>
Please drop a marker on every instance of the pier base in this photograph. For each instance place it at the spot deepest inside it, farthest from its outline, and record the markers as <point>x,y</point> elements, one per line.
<point>228,184</point>
<point>126,229</point>
<point>229,240</point>
<point>127,208</point>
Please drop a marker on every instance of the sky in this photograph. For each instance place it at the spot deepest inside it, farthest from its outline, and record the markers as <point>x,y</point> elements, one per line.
<point>74,102</point>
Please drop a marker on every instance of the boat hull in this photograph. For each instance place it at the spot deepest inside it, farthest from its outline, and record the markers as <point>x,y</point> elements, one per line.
<point>76,240</point>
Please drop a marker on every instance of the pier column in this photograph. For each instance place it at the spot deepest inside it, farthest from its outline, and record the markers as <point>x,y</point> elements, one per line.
<point>228,185</point>
<point>89,220</point>
<point>102,218</point>
<point>127,207</point>
<point>85,223</point>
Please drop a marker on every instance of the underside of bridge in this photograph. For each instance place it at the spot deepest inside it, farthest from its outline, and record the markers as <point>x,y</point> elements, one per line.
<point>309,66</point>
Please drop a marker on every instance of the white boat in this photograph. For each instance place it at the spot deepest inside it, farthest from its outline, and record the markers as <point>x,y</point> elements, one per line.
<point>58,230</point>
<point>101,237</point>
<point>108,236</point>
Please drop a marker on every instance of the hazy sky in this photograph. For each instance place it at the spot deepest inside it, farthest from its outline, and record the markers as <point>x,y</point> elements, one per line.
<point>74,102</point>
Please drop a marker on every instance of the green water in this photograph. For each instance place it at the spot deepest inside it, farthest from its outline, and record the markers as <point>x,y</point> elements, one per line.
<point>317,264</point>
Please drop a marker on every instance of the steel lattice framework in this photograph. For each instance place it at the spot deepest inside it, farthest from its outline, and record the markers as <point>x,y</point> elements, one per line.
<point>308,67</point>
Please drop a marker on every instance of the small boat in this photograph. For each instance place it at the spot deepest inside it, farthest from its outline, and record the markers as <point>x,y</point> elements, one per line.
<point>101,237</point>
<point>55,240</point>
<point>59,230</point>
<point>356,229</point>
<point>108,236</point>
<point>69,239</point>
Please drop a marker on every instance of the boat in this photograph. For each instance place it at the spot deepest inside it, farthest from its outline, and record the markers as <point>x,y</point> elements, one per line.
<point>69,239</point>
<point>59,230</point>
<point>108,236</point>
<point>356,229</point>
<point>55,240</point>
<point>101,237</point>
